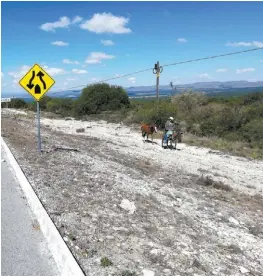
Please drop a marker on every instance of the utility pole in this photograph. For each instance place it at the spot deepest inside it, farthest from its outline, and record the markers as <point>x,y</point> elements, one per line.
<point>173,88</point>
<point>157,70</point>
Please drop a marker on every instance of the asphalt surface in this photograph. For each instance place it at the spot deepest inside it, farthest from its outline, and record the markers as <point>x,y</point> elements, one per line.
<point>24,249</point>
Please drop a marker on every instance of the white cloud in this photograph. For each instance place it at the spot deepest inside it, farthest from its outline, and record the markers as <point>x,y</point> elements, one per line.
<point>59,43</point>
<point>71,79</point>
<point>17,75</point>
<point>261,60</point>
<point>2,75</point>
<point>68,61</point>
<point>244,70</point>
<point>20,73</point>
<point>68,81</point>
<point>221,70</point>
<point>204,76</point>
<point>77,19</point>
<point>132,79</point>
<point>63,22</point>
<point>246,44</point>
<point>54,71</point>
<point>106,23</point>
<point>175,80</point>
<point>253,80</point>
<point>97,57</point>
<point>95,79</point>
<point>107,42</point>
<point>79,71</point>
<point>15,83</point>
<point>181,40</point>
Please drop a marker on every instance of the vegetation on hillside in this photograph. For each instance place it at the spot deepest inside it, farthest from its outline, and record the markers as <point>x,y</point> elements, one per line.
<point>236,121</point>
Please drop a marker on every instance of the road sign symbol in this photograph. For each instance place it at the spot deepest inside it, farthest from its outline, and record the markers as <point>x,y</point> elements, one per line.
<point>36,82</point>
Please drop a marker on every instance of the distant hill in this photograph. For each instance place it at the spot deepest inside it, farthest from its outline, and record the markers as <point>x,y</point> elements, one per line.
<point>202,85</point>
<point>230,88</point>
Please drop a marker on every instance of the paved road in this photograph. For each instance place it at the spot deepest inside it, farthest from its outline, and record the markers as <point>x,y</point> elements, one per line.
<point>24,248</point>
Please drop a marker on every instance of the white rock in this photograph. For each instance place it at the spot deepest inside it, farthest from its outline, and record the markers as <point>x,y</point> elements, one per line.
<point>147,272</point>
<point>151,244</point>
<point>154,251</point>
<point>128,206</point>
<point>233,220</point>
<point>179,199</point>
<point>65,239</point>
<point>243,270</point>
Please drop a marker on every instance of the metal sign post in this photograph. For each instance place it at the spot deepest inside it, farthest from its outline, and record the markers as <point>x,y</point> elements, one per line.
<point>38,128</point>
<point>37,82</point>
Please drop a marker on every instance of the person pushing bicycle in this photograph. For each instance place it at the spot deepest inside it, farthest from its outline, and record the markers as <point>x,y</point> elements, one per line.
<point>169,128</point>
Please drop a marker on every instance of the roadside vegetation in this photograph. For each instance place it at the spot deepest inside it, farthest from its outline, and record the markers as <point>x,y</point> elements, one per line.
<point>233,124</point>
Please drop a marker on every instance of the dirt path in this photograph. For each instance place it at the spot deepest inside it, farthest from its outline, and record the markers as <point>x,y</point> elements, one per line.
<point>144,208</point>
<point>237,172</point>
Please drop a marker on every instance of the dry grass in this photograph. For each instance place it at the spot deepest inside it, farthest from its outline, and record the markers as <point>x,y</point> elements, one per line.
<point>237,148</point>
<point>208,181</point>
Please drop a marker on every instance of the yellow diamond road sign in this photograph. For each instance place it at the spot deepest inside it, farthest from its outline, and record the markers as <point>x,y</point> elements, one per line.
<point>36,82</point>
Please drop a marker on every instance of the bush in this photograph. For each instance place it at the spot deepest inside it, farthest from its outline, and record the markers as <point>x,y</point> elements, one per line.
<point>42,103</point>
<point>101,97</point>
<point>60,106</point>
<point>18,103</point>
<point>148,113</point>
<point>105,262</point>
<point>253,131</point>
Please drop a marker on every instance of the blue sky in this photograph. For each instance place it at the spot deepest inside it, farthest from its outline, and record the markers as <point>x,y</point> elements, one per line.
<point>82,42</point>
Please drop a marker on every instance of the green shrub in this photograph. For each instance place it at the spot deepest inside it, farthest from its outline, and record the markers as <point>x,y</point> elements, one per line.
<point>253,131</point>
<point>42,103</point>
<point>62,106</point>
<point>105,262</point>
<point>18,103</point>
<point>97,98</point>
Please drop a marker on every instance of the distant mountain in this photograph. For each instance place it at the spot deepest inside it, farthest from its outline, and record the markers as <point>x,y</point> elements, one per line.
<point>201,85</point>
<point>210,88</point>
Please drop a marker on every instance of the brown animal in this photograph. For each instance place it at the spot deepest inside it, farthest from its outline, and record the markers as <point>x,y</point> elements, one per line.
<point>148,129</point>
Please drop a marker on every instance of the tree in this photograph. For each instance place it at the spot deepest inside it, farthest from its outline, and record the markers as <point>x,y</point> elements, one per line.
<point>101,97</point>
<point>18,103</point>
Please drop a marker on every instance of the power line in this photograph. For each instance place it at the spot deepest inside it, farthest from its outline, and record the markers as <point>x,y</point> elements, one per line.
<point>211,57</point>
<point>166,65</point>
<point>114,78</point>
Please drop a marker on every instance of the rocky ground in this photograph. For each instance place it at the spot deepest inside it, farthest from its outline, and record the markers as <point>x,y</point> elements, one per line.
<point>129,208</point>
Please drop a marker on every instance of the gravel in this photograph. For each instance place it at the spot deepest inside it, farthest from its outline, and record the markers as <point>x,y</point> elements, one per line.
<point>140,206</point>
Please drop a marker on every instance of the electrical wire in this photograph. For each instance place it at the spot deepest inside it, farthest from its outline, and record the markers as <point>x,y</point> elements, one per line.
<point>166,65</point>
<point>211,57</point>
